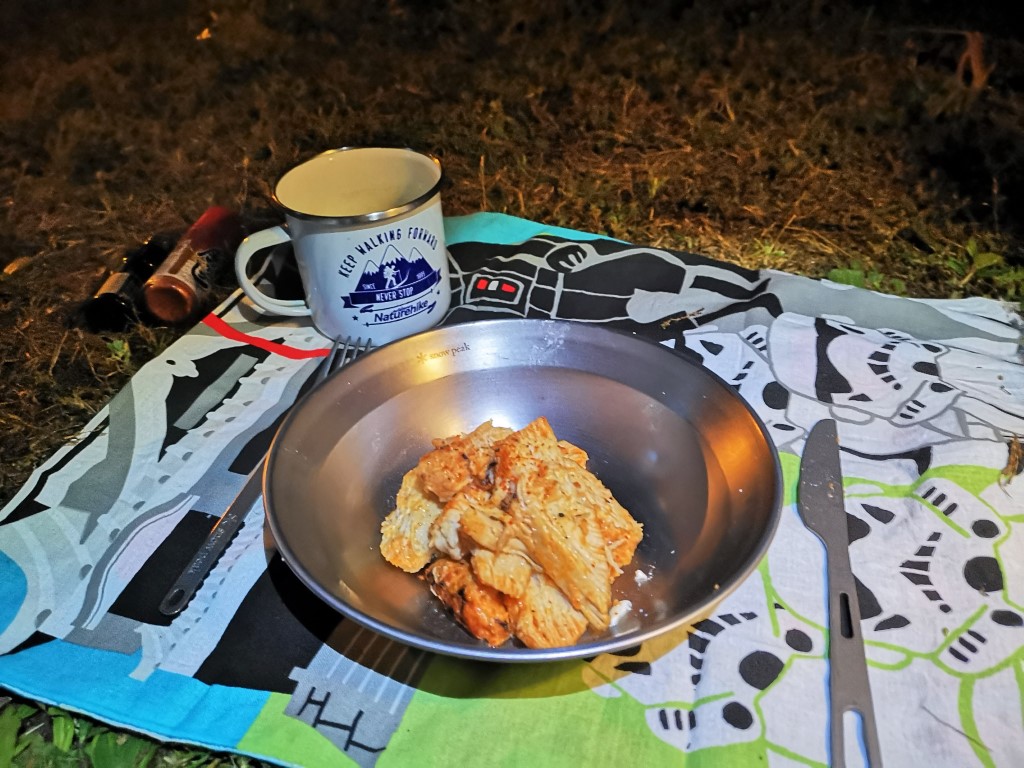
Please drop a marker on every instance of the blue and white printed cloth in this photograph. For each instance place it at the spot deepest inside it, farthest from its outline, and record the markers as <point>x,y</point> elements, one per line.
<point>929,399</point>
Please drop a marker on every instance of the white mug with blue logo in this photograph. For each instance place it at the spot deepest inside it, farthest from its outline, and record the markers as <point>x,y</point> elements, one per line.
<point>366,227</point>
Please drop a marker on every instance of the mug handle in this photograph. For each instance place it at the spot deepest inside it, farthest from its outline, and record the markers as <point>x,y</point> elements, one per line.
<point>258,241</point>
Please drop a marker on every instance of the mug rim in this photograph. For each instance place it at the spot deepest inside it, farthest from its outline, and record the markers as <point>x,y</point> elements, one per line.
<point>362,218</point>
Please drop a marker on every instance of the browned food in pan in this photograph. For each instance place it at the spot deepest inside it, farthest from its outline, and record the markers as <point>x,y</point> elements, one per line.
<point>513,533</point>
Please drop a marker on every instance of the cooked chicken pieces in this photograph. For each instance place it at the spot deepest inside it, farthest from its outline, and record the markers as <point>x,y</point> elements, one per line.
<point>507,572</point>
<point>405,533</point>
<point>457,461</point>
<point>516,536</point>
<point>545,618</point>
<point>477,608</point>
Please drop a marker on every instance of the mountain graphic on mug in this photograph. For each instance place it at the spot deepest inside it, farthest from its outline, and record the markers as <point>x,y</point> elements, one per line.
<point>396,283</point>
<point>394,270</point>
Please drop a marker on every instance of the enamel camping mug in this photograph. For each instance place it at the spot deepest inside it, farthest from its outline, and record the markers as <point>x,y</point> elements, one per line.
<point>366,227</point>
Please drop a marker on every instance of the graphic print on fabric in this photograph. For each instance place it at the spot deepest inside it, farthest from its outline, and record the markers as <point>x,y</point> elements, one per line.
<point>897,399</point>
<point>914,388</point>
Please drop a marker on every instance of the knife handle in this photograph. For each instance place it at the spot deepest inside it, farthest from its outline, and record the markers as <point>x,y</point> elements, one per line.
<point>849,688</point>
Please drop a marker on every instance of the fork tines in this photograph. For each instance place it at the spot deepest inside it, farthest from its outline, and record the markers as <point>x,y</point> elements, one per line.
<point>343,351</point>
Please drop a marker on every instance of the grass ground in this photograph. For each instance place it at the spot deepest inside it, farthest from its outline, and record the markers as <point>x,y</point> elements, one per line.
<point>877,146</point>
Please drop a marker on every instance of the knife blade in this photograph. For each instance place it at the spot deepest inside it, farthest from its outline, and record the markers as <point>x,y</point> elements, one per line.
<point>820,505</point>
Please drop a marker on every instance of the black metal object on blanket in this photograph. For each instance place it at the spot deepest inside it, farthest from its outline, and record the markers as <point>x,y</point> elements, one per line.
<point>227,527</point>
<point>820,504</point>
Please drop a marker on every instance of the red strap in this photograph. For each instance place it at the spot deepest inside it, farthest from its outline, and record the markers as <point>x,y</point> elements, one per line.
<point>292,353</point>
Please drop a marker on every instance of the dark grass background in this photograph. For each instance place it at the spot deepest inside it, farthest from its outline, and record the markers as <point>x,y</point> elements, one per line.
<point>881,145</point>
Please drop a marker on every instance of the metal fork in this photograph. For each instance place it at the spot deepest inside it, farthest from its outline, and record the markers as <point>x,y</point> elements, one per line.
<point>195,573</point>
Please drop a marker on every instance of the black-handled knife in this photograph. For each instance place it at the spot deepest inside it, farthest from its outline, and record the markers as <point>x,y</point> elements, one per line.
<point>821,507</point>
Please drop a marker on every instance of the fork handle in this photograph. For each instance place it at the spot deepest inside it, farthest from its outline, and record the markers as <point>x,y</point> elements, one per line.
<point>184,589</point>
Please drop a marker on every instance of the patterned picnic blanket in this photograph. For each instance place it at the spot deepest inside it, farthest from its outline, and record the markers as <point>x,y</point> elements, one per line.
<point>929,399</point>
